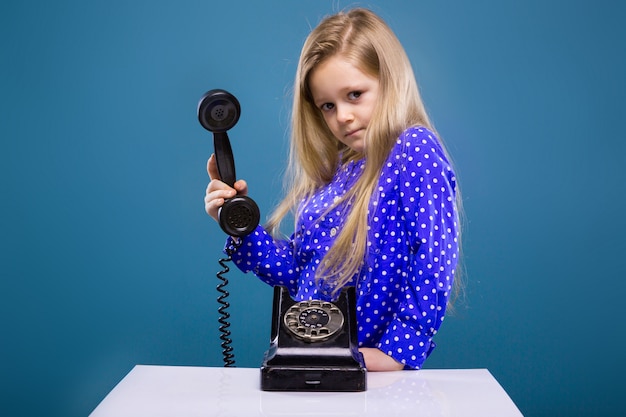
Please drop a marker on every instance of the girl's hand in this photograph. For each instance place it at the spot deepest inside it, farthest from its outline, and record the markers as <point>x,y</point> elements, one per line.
<point>377,360</point>
<point>217,191</point>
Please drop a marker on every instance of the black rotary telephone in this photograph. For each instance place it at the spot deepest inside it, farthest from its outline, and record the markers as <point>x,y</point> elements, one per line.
<point>313,344</point>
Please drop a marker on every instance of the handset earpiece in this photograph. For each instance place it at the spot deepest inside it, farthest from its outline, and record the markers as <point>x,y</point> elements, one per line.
<point>219,111</point>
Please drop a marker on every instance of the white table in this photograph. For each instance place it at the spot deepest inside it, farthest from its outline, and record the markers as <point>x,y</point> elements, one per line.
<point>180,391</point>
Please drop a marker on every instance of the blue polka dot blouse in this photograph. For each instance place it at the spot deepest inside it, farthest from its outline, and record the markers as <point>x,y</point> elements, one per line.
<point>403,288</point>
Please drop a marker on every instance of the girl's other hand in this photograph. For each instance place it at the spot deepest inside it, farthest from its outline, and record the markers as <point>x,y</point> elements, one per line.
<point>376,360</point>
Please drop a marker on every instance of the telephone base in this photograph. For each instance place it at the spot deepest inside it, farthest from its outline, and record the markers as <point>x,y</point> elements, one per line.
<point>300,359</point>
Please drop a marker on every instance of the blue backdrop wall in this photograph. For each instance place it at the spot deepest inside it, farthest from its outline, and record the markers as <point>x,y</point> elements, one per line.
<point>108,259</point>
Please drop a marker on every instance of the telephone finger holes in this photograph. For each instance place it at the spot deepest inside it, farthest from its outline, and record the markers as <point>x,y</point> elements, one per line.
<point>313,320</point>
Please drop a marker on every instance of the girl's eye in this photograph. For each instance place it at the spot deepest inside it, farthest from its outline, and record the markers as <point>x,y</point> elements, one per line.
<point>354,95</point>
<point>327,106</point>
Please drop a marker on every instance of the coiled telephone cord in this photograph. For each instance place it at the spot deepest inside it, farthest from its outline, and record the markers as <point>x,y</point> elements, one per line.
<point>227,349</point>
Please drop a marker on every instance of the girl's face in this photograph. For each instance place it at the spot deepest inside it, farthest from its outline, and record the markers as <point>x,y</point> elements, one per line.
<point>346,96</point>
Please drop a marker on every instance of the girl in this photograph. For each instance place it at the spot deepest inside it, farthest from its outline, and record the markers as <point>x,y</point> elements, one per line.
<point>372,190</point>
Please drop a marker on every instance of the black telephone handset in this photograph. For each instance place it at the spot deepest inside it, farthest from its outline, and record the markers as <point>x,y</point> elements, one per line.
<point>313,345</point>
<point>218,111</point>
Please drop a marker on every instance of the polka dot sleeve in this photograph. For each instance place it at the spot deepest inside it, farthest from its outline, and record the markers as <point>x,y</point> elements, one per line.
<point>425,190</point>
<point>269,259</point>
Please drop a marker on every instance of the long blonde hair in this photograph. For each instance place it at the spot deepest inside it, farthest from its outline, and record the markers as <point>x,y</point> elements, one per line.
<point>365,40</point>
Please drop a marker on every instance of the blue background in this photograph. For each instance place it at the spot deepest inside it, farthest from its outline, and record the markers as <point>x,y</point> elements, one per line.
<point>108,260</point>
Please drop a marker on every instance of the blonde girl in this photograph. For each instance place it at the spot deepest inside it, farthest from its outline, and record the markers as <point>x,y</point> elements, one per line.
<point>372,191</point>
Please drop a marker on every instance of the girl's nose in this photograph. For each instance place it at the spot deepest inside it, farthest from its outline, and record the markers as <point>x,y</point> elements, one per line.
<point>344,114</point>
